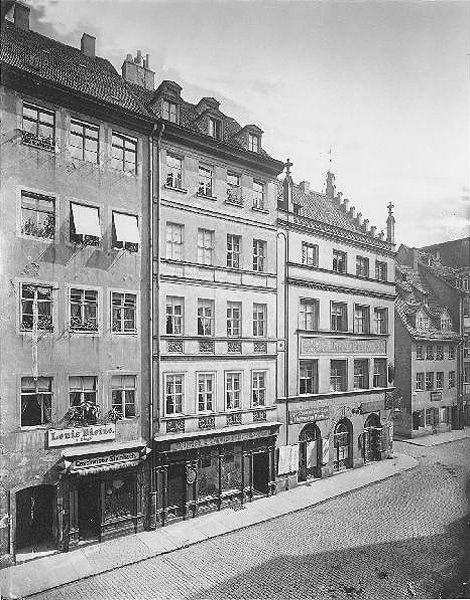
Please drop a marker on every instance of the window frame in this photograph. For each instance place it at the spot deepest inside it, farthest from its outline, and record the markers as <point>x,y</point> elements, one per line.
<point>308,385</point>
<point>167,112</point>
<point>429,381</point>
<point>380,320</point>
<point>259,389</point>
<point>175,395</point>
<point>439,380</point>
<point>84,238</point>
<point>84,136</point>
<point>49,314</point>
<point>254,142</point>
<point>203,319</point>
<point>172,243</point>
<point>236,394</point>
<point>123,245</point>
<point>173,318</point>
<point>122,306</point>
<point>260,309</point>
<point>340,261</point>
<point>126,139</point>
<point>361,374</point>
<point>234,323</point>
<point>313,260</point>
<point>378,373</point>
<point>381,270</point>
<point>420,381</point>
<point>362,267</point>
<point>23,221</point>
<point>125,392</point>
<point>341,378</point>
<point>85,289</point>
<point>205,182</point>
<point>234,244</point>
<point>84,392</point>
<point>452,380</point>
<point>259,195</point>
<point>205,393</point>
<point>361,319</point>
<point>205,246</point>
<point>304,313</point>
<point>214,128</point>
<point>45,412</point>
<point>34,138</point>
<point>259,255</point>
<point>174,175</point>
<point>343,316</point>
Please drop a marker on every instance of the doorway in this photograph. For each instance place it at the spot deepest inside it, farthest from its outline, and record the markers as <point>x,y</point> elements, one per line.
<point>34,517</point>
<point>343,451</point>
<point>260,473</point>
<point>372,440</point>
<point>176,491</point>
<point>310,452</point>
<point>89,509</point>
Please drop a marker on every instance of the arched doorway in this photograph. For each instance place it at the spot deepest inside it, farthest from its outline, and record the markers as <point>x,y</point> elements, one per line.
<point>372,439</point>
<point>33,524</point>
<point>310,452</point>
<point>343,450</point>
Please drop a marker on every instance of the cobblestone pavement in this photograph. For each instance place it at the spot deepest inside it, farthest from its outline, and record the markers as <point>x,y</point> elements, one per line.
<point>404,537</point>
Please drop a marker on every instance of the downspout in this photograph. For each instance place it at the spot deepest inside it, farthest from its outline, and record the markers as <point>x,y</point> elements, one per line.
<point>286,331</point>
<point>156,260</point>
<point>286,368</point>
<point>150,283</point>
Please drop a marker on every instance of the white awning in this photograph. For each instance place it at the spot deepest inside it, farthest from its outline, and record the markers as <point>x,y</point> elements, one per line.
<point>126,228</point>
<point>86,220</point>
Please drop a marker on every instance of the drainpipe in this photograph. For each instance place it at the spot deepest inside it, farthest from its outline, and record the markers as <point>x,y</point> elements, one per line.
<point>286,332</point>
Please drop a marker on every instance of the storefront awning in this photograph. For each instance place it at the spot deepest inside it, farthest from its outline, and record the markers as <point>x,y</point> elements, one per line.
<point>126,228</point>
<point>86,220</point>
<point>103,458</point>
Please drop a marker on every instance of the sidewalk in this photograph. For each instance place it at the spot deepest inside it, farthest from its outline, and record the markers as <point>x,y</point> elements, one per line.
<point>437,439</point>
<point>61,568</point>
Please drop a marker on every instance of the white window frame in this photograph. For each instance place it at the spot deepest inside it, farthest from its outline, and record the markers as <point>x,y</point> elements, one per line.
<point>234,246</point>
<point>51,317</point>
<point>207,395</point>
<point>308,314</point>
<point>306,367</point>
<point>41,397</point>
<point>259,255</point>
<point>361,373</point>
<point>341,379</point>
<point>420,384</point>
<point>174,175</point>
<point>254,142</point>
<point>234,323</point>
<point>310,254</point>
<point>361,318</point>
<point>259,195</point>
<point>129,147</point>
<point>87,130</point>
<point>259,383</point>
<point>362,266</point>
<point>174,239</point>
<point>170,111</point>
<point>176,320</point>
<point>83,391</point>
<point>84,289</point>
<point>125,394</point>
<point>232,392</point>
<point>206,181</point>
<point>203,319</point>
<point>336,317</point>
<point>205,246</point>
<point>175,394</point>
<point>380,321</point>
<point>122,306</point>
<point>260,319</point>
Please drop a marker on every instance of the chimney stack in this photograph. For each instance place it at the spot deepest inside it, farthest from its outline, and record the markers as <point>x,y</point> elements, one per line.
<point>352,212</point>
<point>390,224</point>
<point>88,45</point>
<point>373,230</point>
<point>366,225</point>
<point>339,197</point>
<point>359,218</point>
<point>305,186</point>
<point>21,16</point>
<point>136,70</point>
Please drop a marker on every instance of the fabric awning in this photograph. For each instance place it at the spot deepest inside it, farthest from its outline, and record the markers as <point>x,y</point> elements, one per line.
<point>86,220</point>
<point>126,228</point>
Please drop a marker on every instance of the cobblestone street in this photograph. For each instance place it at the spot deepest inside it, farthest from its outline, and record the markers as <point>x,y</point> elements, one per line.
<point>404,537</point>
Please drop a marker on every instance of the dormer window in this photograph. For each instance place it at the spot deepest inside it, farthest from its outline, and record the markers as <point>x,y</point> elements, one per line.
<point>215,128</point>
<point>422,322</point>
<point>170,111</point>
<point>446,323</point>
<point>253,142</point>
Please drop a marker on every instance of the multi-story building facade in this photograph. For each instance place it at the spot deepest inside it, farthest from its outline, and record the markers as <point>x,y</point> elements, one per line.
<point>73,416</point>
<point>335,296</point>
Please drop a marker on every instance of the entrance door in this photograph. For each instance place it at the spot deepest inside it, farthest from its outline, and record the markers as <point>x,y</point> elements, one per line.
<point>260,472</point>
<point>310,452</point>
<point>372,442</point>
<point>34,507</point>
<point>89,509</point>
<point>343,445</point>
<point>176,490</point>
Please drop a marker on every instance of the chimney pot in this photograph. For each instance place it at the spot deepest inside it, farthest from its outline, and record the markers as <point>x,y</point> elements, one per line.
<point>345,205</point>
<point>21,16</point>
<point>373,230</point>
<point>366,224</point>
<point>381,235</point>
<point>359,218</point>
<point>88,45</point>
<point>352,212</point>
<point>136,70</point>
<point>129,57</point>
<point>339,197</point>
<point>305,186</point>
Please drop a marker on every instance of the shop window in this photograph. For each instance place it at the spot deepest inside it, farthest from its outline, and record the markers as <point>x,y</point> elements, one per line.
<point>308,377</point>
<point>259,319</point>
<point>123,395</point>
<point>205,246</point>
<point>338,375</point>
<point>439,352</point>
<point>174,241</point>
<point>362,266</point>
<point>84,310</point>
<point>125,232</point>
<point>124,308</point>
<point>380,270</point>
<point>36,401</point>
<point>208,474</point>
<point>84,141</point>
<point>233,250</point>
<point>310,254</point>
<point>174,175</point>
<point>37,215</point>
<point>339,316</point>
<point>206,183</point>
<point>258,195</point>
<point>361,374</point>
<point>308,314</point>
<point>234,319</point>
<point>174,394</point>
<point>84,225</point>
<point>119,495</point>
<point>259,255</point>
<point>205,392</point>
<point>36,307</point>
<point>419,382</point>
<point>258,388</point>
<point>38,127</point>
<point>339,261</point>
<point>380,373</point>
<point>380,321</point>
<point>174,314</point>
<point>231,471</point>
<point>232,390</point>
<point>124,153</point>
<point>361,319</point>
<point>205,317</point>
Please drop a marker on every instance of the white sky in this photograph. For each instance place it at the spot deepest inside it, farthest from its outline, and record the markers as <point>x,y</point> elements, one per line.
<point>385,84</point>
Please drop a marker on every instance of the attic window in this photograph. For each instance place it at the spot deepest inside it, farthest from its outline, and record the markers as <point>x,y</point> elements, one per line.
<point>423,322</point>
<point>446,323</point>
<point>214,128</point>
<point>170,111</point>
<point>253,142</point>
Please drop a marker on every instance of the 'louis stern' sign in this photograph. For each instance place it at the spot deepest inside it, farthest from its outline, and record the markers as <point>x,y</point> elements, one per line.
<point>80,435</point>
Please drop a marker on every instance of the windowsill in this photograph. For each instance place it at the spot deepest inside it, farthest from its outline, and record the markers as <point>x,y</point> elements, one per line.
<point>260,210</point>
<point>175,189</point>
<point>204,197</point>
<point>41,332</point>
<point>240,203</point>
<point>322,395</point>
<point>126,333</point>
<point>42,427</point>
<point>34,238</point>
<point>342,273</point>
<point>84,332</point>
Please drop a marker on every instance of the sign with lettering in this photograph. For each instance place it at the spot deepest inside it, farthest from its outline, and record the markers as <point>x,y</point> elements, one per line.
<point>315,346</point>
<point>71,436</point>
<point>217,440</point>
<point>436,396</point>
<point>308,415</point>
<point>106,459</point>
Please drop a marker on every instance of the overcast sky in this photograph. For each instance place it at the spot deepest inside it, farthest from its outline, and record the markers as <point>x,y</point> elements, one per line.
<point>384,84</point>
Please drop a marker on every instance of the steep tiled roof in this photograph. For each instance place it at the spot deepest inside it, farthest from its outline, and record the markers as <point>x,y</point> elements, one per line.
<point>59,64</point>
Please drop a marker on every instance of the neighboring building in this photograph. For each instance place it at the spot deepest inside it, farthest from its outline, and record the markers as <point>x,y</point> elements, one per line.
<point>454,253</point>
<point>336,293</point>
<point>74,159</point>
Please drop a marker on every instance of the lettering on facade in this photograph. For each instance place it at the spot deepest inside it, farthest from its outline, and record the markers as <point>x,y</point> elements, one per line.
<point>80,435</point>
<point>307,415</point>
<point>107,459</point>
<point>314,346</point>
<point>436,396</point>
<point>218,440</point>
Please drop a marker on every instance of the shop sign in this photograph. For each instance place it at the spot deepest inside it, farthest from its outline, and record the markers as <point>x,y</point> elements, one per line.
<point>314,346</point>
<point>106,459</point>
<point>306,415</point>
<point>217,440</point>
<point>436,396</point>
<point>80,435</point>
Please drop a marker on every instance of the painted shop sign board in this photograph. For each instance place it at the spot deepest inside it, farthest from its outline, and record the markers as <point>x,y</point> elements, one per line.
<point>314,346</point>
<point>307,415</point>
<point>218,440</point>
<point>72,436</point>
<point>106,459</point>
<point>436,396</point>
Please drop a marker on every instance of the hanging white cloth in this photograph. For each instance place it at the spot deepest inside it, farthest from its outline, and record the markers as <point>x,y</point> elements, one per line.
<point>283,463</point>
<point>294,458</point>
<point>311,454</point>
<point>326,451</point>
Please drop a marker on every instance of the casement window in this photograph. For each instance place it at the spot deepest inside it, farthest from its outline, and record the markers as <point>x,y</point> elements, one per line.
<point>361,374</point>
<point>429,381</point>
<point>205,317</point>
<point>419,382</point>
<point>310,254</point>
<point>38,127</point>
<point>234,319</point>
<point>338,375</point>
<point>439,352</point>
<point>206,175</point>
<point>380,376</point>
<point>170,111</point>
<point>258,388</point>
<point>259,320</point>
<point>439,380</point>
<point>465,284</point>
<point>174,175</point>
<point>446,323</point>
<point>126,232</point>
<point>124,309</point>
<point>258,195</point>
<point>308,314</point>
<point>380,321</point>
<point>234,192</point>
<point>215,128</point>
<point>466,306</point>
<point>174,313</point>
<point>308,377</point>
<point>339,316</point>
<point>253,142</point>
<point>429,352</point>
<point>362,266</point>
<point>423,322</point>
<point>466,350</point>
<point>205,392</point>
<point>380,270</point>
<point>124,153</point>
<point>37,215</point>
<point>205,246</point>
<point>82,390</point>
<point>36,307</point>
<point>36,401</point>
<point>174,394</point>
<point>452,352</point>
<point>233,250</point>
<point>123,391</point>
<point>259,255</point>
<point>451,379</point>
<point>361,319</point>
<point>84,224</point>
<point>174,241</point>
<point>420,352</point>
<point>233,387</point>
<point>339,261</point>
<point>84,141</point>
<point>84,310</point>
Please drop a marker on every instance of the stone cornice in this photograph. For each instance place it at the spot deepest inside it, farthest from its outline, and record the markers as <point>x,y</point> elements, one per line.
<point>339,288</point>
<point>334,273</point>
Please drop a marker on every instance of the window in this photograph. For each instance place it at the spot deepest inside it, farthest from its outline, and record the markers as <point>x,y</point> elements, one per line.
<point>125,232</point>
<point>338,376</point>
<point>339,316</point>
<point>451,379</point>
<point>380,378</point>
<point>173,394</point>
<point>205,392</point>
<point>232,390</point>
<point>439,352</point>
<point>170,111</point>
<point>84,141</point>
<point>174,175</point>
<point>465,284</point>
<point>439,380</point>
<point>362,266</point>
<point>233,250</point>
<point>205,246</point>
<point>36,307</point>
<point>339,261</point>
<point>215,128</point>
<point>308,314</point>
<point>446,323</point>
<point>38,127</point>
<point>361,319</point>
<point>259,320</point>
<point>429,352</point>
<point>83,310</point>
<point>174,241</point>
<point>259,255</point>
<point>380,321</point>
<point>205,181</point>
<point>258,388</point>
<point>123,395</point>
<point>124,307</point>
<point>380,270</point>
<point>429,381</point>
<point>234,318</point>
<point>423,322</point>
<point>451,352</point>
<point>37,215</point>
<point>258,195</point>
<point>308,377</point>
<point>253,142</point>
<point>309,254</point>
<point>124,153</point>
<point>174,315</point>
<point>419,383</point>
<point>84,225</point>
<point>361,374</point>
<point>205,317</point>
<point>36,401</point>
<point>82,391</point>
<point>233,188</point>
<point>466,306</point>
<point>420,352</point>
